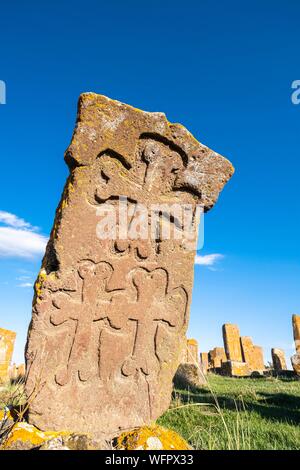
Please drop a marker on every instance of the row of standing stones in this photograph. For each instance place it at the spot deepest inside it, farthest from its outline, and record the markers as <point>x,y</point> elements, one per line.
<point>238,358</point>
<point>110,316</point>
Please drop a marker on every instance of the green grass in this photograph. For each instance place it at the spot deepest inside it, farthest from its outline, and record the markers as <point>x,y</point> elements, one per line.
<point>12,394</point>
<point>226,414</point>
<point>238,414</point>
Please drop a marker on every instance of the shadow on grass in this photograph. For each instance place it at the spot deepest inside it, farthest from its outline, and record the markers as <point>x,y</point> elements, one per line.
<point>280,407</point>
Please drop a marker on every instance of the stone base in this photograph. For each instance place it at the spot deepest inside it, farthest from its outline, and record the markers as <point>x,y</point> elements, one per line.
<point>24,436</point>
<point>235,369</point>
<point>295,360</point>
<point>257,373</point>
<point>189,376</point>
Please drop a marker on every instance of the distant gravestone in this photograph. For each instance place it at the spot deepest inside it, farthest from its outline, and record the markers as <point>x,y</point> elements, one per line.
<point>190,372</point>
<point>278,358</point>
<point>232,345</point>
<point>7,340</point>
<point>258,363</point>
<point>252,354</point>
<point>204,361</point>
<point>235,365</point>
<point>216,357</point>
<point>295,359</point>
<point>296,331</point>
<point>112,299</point>
<point>17,372</point>
<point>189,376</point>
<point>192,351</point>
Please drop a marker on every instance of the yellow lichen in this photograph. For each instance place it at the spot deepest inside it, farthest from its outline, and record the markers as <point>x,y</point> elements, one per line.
<point>151,438</point>
<point>26,433</point>
<point>42,276</point>
<point>5,414</point>
<point>192,341</point>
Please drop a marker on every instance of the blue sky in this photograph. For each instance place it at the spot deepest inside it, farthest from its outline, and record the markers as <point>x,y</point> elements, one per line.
<point>224,69</point>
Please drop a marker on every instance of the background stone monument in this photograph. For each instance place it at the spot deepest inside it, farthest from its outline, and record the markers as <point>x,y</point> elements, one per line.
<point>7,341</point>
<point>295,359</point>
<point>252,355</point>
<point>216,357</point>
<point>235,364</point>
<point>278,358</point>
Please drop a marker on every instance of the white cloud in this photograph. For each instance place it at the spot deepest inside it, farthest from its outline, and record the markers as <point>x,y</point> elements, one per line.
<point>14,221</point>
<point>208,260</point>
<point>18,238</point>
<point>23,278</point>
<point>25,284</point>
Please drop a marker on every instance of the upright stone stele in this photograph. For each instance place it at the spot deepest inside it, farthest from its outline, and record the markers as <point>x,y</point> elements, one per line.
<point>110,314</point>
<point>258,363</point>
<point>252,354</point>
<point>7,341</point>
<point>232,345</point>
<point>278,358</point>
<point>295,359</point>
<point>296,331</point>
<point>204,361</point>
<point>235,365</point>
<point>216,357</point>
<point>192,351</point>
<point>190,372</point>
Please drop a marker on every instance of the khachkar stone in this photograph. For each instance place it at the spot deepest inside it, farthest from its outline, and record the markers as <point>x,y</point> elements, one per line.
<point>190,372</point>
<point>296,331</point>
<point>295,359</point>
<point>216,357</point>
<point>252,354</point>
<point>110,314</point>
<point>192,351</point>
<point>7,341</point>
<point>232,345</point>
<point>258,363</point>
<point>278,358</point>
<point>16,372</point>
<point>235,365</point>
<point>204,361</point>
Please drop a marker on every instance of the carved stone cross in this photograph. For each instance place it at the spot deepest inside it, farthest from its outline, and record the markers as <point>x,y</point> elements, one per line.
<point>110,315</point>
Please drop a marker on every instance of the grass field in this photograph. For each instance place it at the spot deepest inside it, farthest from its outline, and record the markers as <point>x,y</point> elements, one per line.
<point>238,414</point>
<point>226,413</point>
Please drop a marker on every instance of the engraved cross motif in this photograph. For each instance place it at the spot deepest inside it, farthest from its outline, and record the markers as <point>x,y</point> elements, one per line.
<point>153,304</point>
<point>93,305</point>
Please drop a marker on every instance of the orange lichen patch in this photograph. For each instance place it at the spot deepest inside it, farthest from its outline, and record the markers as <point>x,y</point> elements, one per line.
<point>24,435</point>
<point>5,414</point>
<point>236,369</point>
<point>42,279</point>
<point>192,341</point>
<point>151,438</point>
<point>42,276</point>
